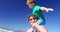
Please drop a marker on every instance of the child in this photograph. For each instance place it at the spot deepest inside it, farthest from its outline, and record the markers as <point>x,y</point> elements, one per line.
<point>37,11</point>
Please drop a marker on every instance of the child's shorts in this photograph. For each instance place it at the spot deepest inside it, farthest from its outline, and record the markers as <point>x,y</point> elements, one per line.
<point>41,21</point>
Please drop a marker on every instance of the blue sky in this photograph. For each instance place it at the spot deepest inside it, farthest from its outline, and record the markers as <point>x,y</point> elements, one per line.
<point>13,14</point>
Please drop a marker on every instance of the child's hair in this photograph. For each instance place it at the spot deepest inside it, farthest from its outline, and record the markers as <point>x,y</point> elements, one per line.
<point>30,1</point>
<point>33,16</point>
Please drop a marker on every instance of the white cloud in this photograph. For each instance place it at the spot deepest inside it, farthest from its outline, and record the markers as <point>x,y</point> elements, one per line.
<point>5,30</point>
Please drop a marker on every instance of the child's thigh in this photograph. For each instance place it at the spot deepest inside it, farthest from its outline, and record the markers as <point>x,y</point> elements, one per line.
<point>43,28</point>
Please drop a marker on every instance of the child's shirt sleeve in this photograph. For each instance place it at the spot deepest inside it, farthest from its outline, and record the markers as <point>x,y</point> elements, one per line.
<point>36,8</point>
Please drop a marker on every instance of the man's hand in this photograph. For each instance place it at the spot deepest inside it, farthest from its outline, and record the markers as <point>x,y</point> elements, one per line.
<point>33,26</point>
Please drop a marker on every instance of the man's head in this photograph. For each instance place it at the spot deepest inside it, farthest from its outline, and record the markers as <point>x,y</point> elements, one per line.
<point>32,19</point>
<point>30,3</point>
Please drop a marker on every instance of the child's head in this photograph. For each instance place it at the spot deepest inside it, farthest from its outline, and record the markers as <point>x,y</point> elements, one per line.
<point>30,3</point>
<point>32,19</point>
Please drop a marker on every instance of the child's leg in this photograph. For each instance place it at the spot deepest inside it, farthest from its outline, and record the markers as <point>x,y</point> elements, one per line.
<point>43,28</point>
<point>40,28</point>
<point>41,22</point>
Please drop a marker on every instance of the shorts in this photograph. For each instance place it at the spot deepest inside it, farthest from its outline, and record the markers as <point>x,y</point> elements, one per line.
<point>41,21</point>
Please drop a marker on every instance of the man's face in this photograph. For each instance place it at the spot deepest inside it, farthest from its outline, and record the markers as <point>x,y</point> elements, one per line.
<point>31,5</point>
<point>32,20</point>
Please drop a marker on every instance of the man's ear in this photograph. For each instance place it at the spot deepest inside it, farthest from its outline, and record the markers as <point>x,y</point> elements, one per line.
<point>36,20</point>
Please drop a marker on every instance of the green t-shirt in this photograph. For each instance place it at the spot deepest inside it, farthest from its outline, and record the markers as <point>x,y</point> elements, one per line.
<point>38,12</point>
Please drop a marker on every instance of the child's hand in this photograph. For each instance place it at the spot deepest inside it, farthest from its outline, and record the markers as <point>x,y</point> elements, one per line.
<point>49,9</point>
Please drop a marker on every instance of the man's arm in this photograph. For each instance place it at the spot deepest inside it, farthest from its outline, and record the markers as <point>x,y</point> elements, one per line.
<point>46,9</point>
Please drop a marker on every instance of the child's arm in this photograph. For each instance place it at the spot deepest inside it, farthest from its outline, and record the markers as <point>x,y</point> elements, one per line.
<point>46,9</point>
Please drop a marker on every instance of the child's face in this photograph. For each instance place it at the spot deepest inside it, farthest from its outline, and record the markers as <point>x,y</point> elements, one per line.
<point>31,5</point>
<point>32,20</point>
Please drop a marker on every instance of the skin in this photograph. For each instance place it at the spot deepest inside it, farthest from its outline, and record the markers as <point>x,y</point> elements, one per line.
<point>30,5</point>
<point>32,20</point>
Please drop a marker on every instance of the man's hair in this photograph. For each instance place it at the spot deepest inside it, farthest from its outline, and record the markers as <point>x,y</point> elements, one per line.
<point>33,16</point>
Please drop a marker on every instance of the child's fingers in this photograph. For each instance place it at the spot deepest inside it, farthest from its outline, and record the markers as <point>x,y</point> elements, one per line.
<point>50,9</point>
<point>47,10</point>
